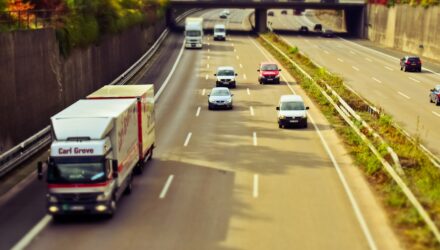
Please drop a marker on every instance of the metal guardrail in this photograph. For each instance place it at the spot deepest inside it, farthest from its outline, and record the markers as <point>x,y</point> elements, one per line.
<point>20,153</point>
<point>28,148</point>
<point>390,170</point>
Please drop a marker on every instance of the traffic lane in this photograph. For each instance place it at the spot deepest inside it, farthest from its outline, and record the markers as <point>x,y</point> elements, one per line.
<point>389,88</point>
<point>373,212</point>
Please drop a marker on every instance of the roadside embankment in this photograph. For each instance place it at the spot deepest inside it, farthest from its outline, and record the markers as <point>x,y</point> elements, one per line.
<point>37,81</point>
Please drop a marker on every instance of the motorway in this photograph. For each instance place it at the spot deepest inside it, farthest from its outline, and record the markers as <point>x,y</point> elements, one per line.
<point>374,75</point>
<point>221,179</point>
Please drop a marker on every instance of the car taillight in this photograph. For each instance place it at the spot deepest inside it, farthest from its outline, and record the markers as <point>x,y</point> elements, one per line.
<point>407,63</point>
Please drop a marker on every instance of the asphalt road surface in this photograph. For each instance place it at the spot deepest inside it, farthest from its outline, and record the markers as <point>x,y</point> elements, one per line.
<point>221,179</point>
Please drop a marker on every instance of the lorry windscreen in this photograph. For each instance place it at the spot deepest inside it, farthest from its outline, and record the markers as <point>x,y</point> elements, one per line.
<point>219,30</point>
<point>85,171</point>
<point>193,33</point>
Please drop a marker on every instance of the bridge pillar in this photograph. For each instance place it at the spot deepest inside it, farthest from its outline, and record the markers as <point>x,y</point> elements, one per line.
<point>260,20</point>
<point>169,17</point>
<point>355,20</point>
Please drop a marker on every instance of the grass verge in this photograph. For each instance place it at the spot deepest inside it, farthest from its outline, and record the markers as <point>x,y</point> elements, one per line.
<point>419,173</point>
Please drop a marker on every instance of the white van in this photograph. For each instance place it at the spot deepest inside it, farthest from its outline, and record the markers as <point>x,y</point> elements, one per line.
<point>219,32</point>
<point>292,111</point>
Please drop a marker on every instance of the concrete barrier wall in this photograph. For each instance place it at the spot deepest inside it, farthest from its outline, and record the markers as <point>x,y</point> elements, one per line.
<point>411,29</point>
<point>36,81</point>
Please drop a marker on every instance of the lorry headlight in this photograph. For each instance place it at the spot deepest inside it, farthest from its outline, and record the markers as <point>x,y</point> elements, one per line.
<point>101,208</point>
<point>53,209</point>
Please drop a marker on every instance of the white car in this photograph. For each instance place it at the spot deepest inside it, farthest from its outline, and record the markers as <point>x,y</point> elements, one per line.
<point>220,97</point>
<point>220,32</point>
<point>292,111</point>
<point>223,15</point>
<point>225,77</point>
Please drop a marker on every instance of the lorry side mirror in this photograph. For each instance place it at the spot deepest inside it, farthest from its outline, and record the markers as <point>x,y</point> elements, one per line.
<point>279,69</point>
<point>307,107</point>
<point>278,108</point>
<point>40,170</point>
<point>215,74</point>
<point>236,74</point>
<point>115,168</point>
<point>258,70</point>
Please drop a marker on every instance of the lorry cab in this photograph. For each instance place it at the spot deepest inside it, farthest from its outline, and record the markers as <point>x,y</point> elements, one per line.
<point>93,154</point>
<point>220,32</point>
<point>194,32</point>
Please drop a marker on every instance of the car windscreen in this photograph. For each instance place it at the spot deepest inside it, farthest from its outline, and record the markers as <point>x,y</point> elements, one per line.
<point>220,92</point>
<point>292,106</point>
<point>225,73</point>
<point>220,30</point>
<point>413,59</point>
<point>269,67</point>
<point>76,172</point>
<point>193,33</point>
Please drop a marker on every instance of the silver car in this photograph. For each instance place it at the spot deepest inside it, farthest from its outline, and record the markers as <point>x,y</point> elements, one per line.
<point>220,97</point>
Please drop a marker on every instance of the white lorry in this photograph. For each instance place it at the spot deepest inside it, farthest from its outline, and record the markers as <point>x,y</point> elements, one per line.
<point>194,32</point>
<point>95,149</point>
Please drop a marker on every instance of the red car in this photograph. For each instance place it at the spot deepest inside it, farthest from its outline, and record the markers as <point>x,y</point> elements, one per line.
<point>269,73</point>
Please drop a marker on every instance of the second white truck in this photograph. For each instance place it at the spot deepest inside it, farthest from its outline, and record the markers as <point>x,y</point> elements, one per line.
<point>194,32</point>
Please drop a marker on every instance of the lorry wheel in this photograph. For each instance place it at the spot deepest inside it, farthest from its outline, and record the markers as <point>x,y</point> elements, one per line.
<point>129,187</point>
<point>139,169</point>
<point>151,154</point>
<point>112,208</point>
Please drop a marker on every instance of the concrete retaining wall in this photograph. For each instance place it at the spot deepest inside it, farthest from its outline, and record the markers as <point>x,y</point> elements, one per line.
<point>411,29</point>
<point>36,81</point>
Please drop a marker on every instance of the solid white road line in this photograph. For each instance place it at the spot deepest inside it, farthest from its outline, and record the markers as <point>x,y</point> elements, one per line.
<point>166,187</point>
<point>255,189</point>
<point>436,114</point>
<point>252,110</point>
<point>255,139</point>
<point>415,80</point>
<point>339,59</point>
<point>198,111</point>
<point>348,191</point>
<point>377,80</point>
<point>188,137</point>
<point>355,68</point>
<point>24,242</point>
<point>248,91</point>
<point>402,94</point>
<point>203,91</point>
<point>167,80</point>
<point>350,195</point>
<point>389,68</point>
<point>368,59</point>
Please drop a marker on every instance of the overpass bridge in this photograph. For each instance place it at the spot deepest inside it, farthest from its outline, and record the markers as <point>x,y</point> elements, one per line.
<point>355,10</point>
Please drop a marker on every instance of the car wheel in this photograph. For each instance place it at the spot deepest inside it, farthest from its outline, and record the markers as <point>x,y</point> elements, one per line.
<point>404,69</point>
<point>401,68</point>
<point>280,126</point>
<point>420,69</point>
<point>305,124</point>
<point>430,99</point>
<point>437,102</point>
